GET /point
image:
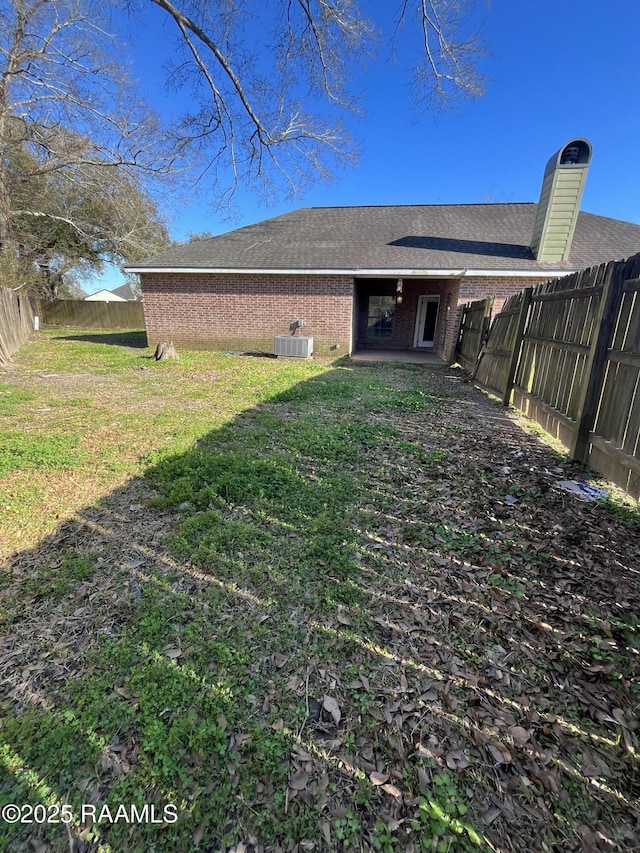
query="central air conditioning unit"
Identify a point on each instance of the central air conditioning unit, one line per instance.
(293, 346)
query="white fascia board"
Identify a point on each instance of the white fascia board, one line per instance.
(358, 273)
(465, 273)
(518, 273)
(288, 271)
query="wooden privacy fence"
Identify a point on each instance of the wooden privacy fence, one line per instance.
(567, 354)
(92, 315)
(475, 318)
(16, 322)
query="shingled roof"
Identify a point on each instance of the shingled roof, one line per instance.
(398, 239)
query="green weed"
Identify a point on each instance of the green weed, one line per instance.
(424, 456)
(442, 821)
(58, 581)
(23, 451)
(407, 400)
(623, 510)
(11, 398)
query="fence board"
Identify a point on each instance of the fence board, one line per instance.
(631, 358)
(92, 315)
(615, 440)
(557, 340)
(576, 364)
(631, 441)
(16, 322)
(621, 337)
(497, 367)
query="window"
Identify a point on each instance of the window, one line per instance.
(380, 315)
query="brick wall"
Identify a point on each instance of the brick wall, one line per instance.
(245, 312)
(231, 312)
(501, 288)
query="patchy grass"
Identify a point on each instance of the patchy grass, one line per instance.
(306, 606)
(11, 398)
(101, 409)
(20, 452)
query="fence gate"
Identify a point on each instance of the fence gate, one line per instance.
(472, 332)
(499, 358)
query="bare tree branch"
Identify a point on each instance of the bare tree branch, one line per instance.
(187, 24)
(447, 67)
(268, 118)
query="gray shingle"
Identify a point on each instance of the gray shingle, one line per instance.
(421, 237)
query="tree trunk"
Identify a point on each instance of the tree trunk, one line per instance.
(5, 200)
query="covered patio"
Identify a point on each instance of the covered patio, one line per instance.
(394, 314)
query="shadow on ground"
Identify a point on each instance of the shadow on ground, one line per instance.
(360, 616)
(134, 339)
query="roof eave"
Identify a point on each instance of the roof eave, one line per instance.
(361, 273)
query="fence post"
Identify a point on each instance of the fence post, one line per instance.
(588, 399)
(517, 343)
(486, 320)
(485, 325)
(457, 346)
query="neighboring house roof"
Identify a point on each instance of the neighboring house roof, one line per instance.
(127, 291)
(403, 239)
(104, 296)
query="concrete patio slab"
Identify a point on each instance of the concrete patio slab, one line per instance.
(409, 356)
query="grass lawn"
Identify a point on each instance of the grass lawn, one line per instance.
(263, 605)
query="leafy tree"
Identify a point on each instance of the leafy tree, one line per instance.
(78, 153)
(73, 230)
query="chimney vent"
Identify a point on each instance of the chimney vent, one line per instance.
(559, 205)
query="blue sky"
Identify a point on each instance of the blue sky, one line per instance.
(555, 71)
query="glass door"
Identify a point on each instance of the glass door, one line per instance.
(426, 321)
